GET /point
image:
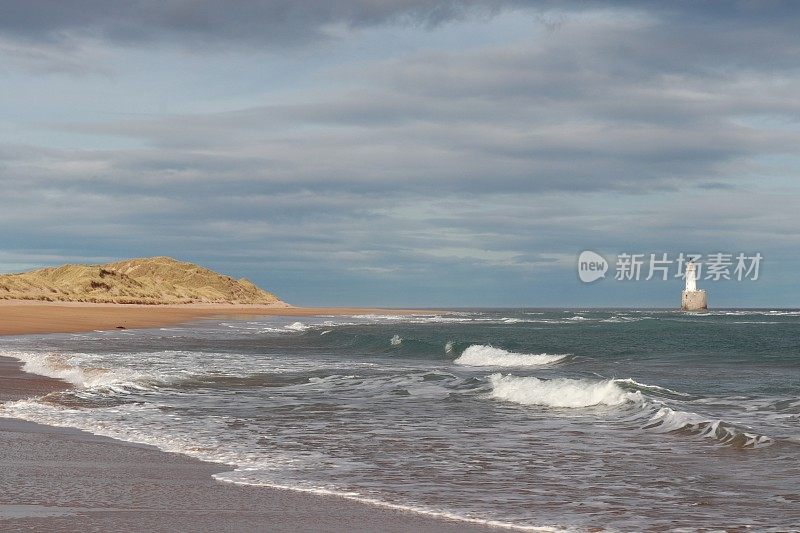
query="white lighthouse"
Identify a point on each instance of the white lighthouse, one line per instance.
(691, 277)
(691, 298)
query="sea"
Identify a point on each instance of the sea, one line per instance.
(531, 419)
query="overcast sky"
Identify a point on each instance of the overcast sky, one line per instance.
(406, 152)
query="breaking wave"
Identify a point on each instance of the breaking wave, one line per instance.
(560, 392)
(58, 366)
(667, 420)
(652, 414)
(485, 355)
(654, 388)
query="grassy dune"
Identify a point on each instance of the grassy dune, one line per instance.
(154, 280)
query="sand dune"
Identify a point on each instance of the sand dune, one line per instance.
(154, 280)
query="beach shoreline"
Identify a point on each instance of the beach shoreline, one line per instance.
(21, 317)
(65, 479)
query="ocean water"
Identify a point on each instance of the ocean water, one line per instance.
(626, 420)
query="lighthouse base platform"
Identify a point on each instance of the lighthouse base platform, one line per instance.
(694, 301)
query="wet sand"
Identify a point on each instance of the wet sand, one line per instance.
(16, 384)
(61, 479)
(57, 479)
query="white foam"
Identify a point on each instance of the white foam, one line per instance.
(485, 355)
(561, 392)
(448, 347)
(631, 381)
(744, 312)
(666, 420)
(296, 326)
(66, 368)
(379, 317)
(248, 327)
(416, 319)
(200, 446)
(396, 340)
(240, 477)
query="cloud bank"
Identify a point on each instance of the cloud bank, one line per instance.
(410, 175)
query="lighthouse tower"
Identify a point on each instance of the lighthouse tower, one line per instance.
(691, 298)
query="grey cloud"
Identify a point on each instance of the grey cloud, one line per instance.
(73, 58)
(208, 23)
(630, 134)
(634, 103)
(449, 133)
(409, 238)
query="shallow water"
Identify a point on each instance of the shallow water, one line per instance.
(622, 419)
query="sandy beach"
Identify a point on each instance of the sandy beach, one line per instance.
(19, 317)
(61, 479)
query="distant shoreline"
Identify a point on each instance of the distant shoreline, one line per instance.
(21, 317)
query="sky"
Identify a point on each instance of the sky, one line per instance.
(413, 153)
